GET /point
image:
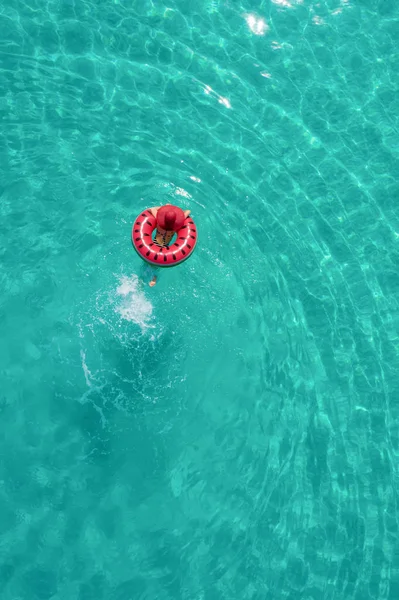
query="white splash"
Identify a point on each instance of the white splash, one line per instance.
(210, 92)
(86, 370)
(134, 306)
(286, 3)
(182, 192)
(282, 3)
(257, 25)
(224, 101)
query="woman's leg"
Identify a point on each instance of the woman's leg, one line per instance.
(155, 275)
(149, 274)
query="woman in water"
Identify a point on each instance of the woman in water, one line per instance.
(170, 219)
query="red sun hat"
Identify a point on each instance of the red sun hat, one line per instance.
(170, 217)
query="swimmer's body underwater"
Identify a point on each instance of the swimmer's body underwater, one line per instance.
(170, 219)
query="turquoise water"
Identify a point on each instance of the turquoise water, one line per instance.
(233, 432)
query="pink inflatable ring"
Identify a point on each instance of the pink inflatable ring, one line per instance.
(162, 256)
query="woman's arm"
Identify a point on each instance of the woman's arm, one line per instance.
(154, 210)
(186, 213)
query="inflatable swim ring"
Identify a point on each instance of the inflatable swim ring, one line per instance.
(163, 256)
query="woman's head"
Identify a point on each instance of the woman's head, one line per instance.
(170, 218)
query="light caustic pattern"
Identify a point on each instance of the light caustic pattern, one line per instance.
(232, 432)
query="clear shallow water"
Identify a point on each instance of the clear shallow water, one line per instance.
(232, 433)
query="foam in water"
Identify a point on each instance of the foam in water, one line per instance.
(134, 306)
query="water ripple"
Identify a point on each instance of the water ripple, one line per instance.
(233, 432)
